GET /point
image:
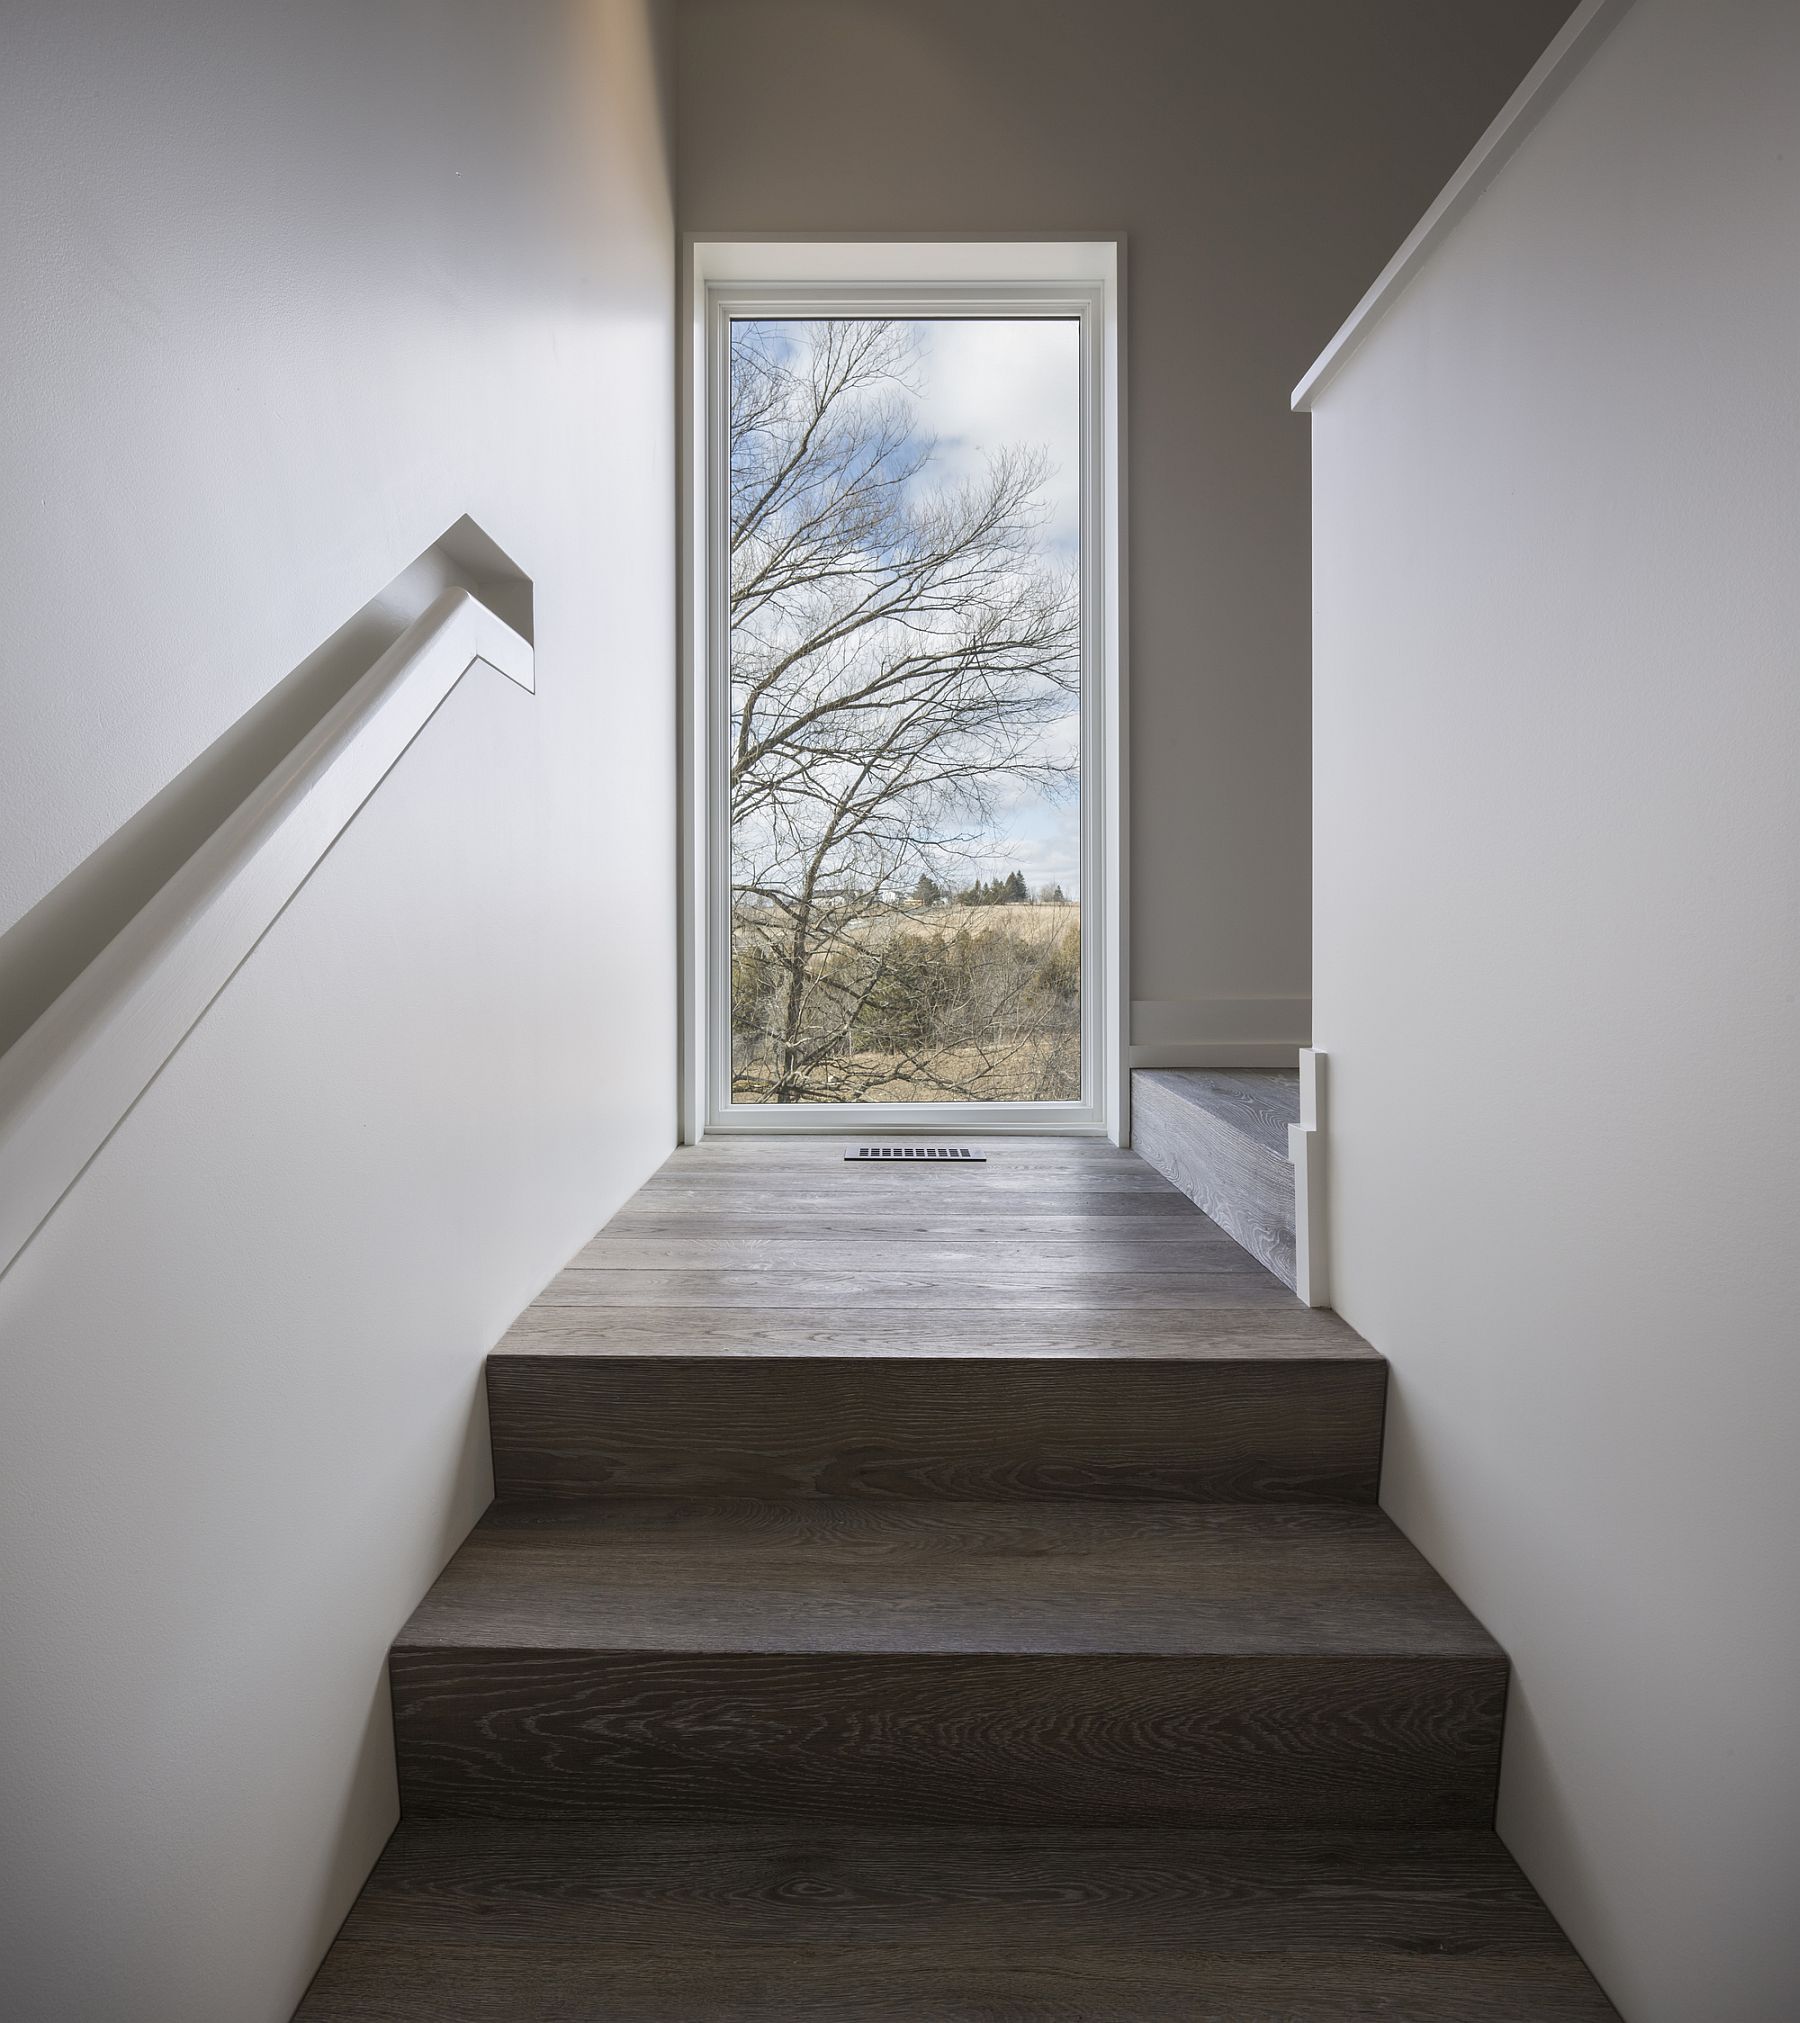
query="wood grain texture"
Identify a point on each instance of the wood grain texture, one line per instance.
(1213, 1135)
(988, 1256)
(751, 1253)
(1074, 1231)
(1279, 1330)
(1009, 1227)
(971, 1427)
(756, 1924)
(1014, 1579)
(878, 1190)
(1009, 1166)
(1261, 1102)
(924, 1287)
(947, 1662)
(948, 1739)
(898, 1196)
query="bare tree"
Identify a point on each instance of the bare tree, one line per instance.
(902, 654)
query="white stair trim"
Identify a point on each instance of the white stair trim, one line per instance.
(1306, 1152)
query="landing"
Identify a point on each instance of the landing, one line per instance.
(1054, 1246)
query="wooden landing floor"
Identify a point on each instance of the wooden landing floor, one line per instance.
(1054, 1246)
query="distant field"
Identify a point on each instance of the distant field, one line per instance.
(1039, 924)
(952, 1002)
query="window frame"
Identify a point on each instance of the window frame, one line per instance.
(1038, 279)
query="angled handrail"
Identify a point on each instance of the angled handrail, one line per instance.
(1584, 31)
(68, 1081)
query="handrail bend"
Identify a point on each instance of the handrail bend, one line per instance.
(69, 1080)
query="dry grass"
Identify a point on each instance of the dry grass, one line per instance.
(962, 1003)
(1040, 925)
(1016, 1073)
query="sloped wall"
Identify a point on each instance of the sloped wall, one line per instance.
(289, 291)
(1557, 867)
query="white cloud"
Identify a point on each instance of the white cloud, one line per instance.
(990, 384)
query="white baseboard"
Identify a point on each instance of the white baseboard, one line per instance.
(1219, 1032)
(1216, 1054)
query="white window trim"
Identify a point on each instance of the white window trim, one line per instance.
(1023, 277)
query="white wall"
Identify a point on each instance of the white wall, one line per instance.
(1263, 160)
(289, 290)
(1557, 867)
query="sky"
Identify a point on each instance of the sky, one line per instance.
(987, 385)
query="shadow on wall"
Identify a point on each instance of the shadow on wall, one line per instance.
(370, 1790)
(44, 951)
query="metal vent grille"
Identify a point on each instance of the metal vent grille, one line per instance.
(956, 1152)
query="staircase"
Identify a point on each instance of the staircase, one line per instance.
(1221, 1135)
(944, 1594)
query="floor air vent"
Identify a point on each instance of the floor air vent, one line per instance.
(959, 1152)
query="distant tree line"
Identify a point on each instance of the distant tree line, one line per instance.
(1008, 891)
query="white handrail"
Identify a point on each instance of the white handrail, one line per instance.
(68, 1081)
(1584, 31)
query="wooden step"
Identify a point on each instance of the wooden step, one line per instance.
(1221, 1137)
(728, 1923)
(652, 1364)
(941, 1664)
(1237, 1417)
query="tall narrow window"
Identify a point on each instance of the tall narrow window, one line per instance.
(902, 738)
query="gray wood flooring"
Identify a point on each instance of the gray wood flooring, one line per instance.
(1054, 1246)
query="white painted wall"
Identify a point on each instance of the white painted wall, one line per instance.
(1263, 161)
(1557, 868)
(289, 290)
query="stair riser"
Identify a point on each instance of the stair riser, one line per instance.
(1251, 1430)
(1131, 1741)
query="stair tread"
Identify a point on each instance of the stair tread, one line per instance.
(866, 1577)
(1066, 1248)
(1282, 1332)
(925, 1287)
(704, 1922)
(1258, 1103)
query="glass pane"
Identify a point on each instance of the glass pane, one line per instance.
(903, 745)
